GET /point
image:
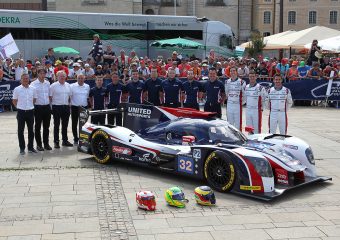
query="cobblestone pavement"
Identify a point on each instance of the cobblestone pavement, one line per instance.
(63, 194)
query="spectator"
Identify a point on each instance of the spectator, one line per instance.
(60, 67)
(97, 49)
(1, 75)
(50, 56)
(325, 63)
(219, 69)
(97, 101)
(262, 71)
(8, 69)
(106, 70)
(314, 48)
(88, 71)
(99, 71)
(303, 70)
(175, 58)
(175, 67)
(293, 72)
(283, 68)
(133, 57)
(24, 97)
(20, 69)
(109, 56)
(33, 74)
(123, 60)
(242, 71)
(125, 76)
(183, 68)
(315, 72)
(253, 65)
(227, 70)
(163, 72)
(60, 93)
(196, 69)
(76, 71)
(168, 64)
(143, 70)
(205, 70)
(153, 88)
(49, 71)
(79, 98)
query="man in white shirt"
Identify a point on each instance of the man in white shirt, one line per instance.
(24, 97)
(79, 98)
(20, 69)
(278, 100)
(42, 110)
(60, 93)
(234, 90)
(73, 73)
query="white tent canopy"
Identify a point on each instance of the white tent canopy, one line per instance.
(301, 38)
(271, 41)
(329, 44)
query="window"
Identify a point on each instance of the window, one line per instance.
(93, 2)
(169, 3)
(266, 34)
(312, 17)
(266, 17)
(333, 17)
(215, 3)
(291, 17)
(226, 41)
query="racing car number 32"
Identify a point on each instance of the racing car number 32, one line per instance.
(185, 164)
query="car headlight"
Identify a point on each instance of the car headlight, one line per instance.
(310, 155)
(262, 166)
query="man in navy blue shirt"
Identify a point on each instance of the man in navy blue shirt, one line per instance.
(214, 92)
(153, 88)
(97, 100)
(135, 88)
(172, 88)
(192, 91)
(115, 91)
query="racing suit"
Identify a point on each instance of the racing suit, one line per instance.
(234, 90)
(255, 98)
(278, 101)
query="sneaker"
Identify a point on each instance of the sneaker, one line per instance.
(67, 144)
(22, 151)
(56, 145)
(32, 150)
(40, 148)
(48, 147)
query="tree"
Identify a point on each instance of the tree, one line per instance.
(256, 44)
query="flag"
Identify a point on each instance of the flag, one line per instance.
(8, 46)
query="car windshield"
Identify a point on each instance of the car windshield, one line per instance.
(226, 134)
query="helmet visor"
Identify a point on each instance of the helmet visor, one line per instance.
(178, 196)
(148, 198)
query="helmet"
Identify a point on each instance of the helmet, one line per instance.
(205, 196)
(146, 200)
(175, 197)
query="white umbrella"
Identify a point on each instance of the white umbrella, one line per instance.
(329, 44)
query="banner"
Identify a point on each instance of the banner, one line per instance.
(8, 46)
(6, 91)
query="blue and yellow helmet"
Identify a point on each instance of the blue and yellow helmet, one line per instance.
(175, 197)
(204, 195)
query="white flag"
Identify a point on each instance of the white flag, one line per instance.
(330, 83)
(8, 46)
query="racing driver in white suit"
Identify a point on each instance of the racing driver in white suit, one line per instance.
(255, 99)
(278, 100)
(235, 90)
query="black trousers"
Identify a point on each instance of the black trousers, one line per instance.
(42, 116)
(61, 113)
(25, 117)
(191, 105)
(213, 107)
(114, 118)
(75, 121)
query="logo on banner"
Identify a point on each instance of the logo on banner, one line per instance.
(139, 112)
(327, 89)
(6, 93)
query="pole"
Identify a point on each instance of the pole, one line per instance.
(147, 39)
(175, 5)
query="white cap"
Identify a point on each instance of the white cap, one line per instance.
(87, 65)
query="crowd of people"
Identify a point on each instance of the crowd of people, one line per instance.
(45, 89)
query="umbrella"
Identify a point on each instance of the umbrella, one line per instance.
(180, 42)
(330, 44)
(65, 50)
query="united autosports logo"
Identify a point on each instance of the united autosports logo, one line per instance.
(122, 150)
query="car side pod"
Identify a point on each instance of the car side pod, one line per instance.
(281, 189)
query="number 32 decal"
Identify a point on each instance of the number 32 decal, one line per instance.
(185, 164)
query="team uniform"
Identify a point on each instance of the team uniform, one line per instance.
(255, 98)
(278, 102)
(135, 90)
(115, 93)
(191, 90)
(98, 96)
(213, 91)
(172, 89)
(235, 99)
(154, 87)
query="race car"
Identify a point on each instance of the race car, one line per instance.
(193, 143)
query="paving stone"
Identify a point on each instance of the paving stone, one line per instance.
(61, 236)
(259, 225)
(330, 231)
(329, 215)
(25, 230)
(258, 234)
(318, 223)
(146, 237)
(185, 236)
(295, 216)
(243, 219)
(150, 223)
(194, 221)
(27, 237)
(295, 232)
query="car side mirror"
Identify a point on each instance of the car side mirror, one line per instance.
(188, 140)
(249, 129)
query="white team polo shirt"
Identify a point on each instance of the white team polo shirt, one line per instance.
(79, 94)
(60, 93)
(25, 97)
(42, 90)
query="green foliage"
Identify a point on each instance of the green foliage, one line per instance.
(256, 44)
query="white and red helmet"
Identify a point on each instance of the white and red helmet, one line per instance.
(146, 200)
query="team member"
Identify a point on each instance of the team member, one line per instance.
(135, 88)
(42, 110)
(255, 98)
(79, 98)
(97, 101)
(278, 100)
(60, 93)
(234, 88)
(172, 88)
(115, 91)
(214, 92)
(153, 88)
(24, 97)
(192, 91)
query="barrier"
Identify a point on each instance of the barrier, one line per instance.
(306, 89)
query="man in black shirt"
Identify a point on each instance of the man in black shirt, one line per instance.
(97, 100)
(153, 88)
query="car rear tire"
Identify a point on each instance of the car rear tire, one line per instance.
(101, 147)
(219, 171)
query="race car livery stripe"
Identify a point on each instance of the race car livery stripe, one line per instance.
(246, 165)
(149, 149)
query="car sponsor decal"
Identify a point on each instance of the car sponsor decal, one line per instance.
(185, 164)
(281, 176)
(84, 136)
(291, 146)
(248, 188)
(145, 158)
(139, 112)
(121, 150)
(196, 153)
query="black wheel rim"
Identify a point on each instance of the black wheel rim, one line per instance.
(100, 147)
(219, 172)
